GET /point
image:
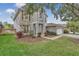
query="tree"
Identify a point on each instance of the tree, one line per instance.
(7, 25)
(33, 7)
(73, 26)
(70, 11)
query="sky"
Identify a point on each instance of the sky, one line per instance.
(7, 9)
(5, 12)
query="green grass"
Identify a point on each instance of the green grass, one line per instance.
(60, 47)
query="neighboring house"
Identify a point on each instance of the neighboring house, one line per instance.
(55, 28)
(34, 26)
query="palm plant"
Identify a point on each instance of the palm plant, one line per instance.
(70, 11)
(35, 7)
(31, 8)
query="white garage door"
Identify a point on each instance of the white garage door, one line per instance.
(59, 31)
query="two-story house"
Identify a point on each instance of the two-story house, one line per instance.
(34, 26)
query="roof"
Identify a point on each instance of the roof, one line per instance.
(17, 12)
(55, 25)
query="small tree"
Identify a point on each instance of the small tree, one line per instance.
(7, 25)
(73, 26)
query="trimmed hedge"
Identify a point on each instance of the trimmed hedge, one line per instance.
(51, 33)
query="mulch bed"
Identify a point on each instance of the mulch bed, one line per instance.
(31, 39)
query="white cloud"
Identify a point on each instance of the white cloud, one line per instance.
(19, 5)
(9, 20)
(10, 11)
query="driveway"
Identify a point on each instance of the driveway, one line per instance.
(68, 35)
(72, 35)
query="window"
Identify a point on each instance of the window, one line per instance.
(40, 15)
(24, 28)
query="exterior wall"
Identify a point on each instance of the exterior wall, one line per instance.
(36, 19)
(22, 21)
(17, 23)
(57, 30)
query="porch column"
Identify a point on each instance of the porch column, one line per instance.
(44, 30)
(37, 29)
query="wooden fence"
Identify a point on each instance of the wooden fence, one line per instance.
(11, 31)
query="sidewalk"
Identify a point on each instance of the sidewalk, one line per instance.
(53, 38)
(72, 35)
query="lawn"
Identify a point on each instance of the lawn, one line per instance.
(60, 47)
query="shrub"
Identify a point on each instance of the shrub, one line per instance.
(51, 33)
(66, 31)
(39, 34)
(19, 34)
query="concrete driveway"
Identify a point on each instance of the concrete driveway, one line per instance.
(72, 35)
(67, 35)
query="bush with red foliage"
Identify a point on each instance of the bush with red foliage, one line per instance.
(19, 34)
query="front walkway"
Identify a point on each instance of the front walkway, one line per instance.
(68, 35)
(53, 38)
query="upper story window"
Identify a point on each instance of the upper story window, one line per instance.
(40, 15)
